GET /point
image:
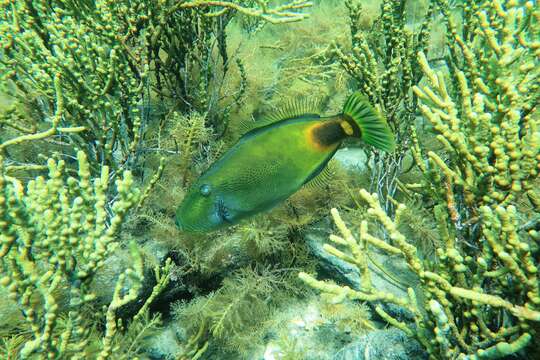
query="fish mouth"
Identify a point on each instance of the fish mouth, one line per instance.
(219, 216)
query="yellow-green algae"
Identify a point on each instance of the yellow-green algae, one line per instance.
(484, 114)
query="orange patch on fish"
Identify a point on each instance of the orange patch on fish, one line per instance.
(325, 136)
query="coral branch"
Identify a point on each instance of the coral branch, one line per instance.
(277, 15)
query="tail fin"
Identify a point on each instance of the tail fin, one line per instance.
(373, 127)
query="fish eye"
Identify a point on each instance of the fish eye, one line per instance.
(205, 189)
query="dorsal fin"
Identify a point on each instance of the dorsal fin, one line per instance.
(244, 126)
(293, 108)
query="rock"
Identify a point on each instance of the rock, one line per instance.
(301, 331)
(388, 273)
(389, 344)
(353, 159)
(104, 281)
(331, 266)
(165, 345)
(309, 329)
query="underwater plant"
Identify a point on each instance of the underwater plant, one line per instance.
(86, 51)
(382, 62)
(78, 84)
(55, 234)
(109, 58)
(232, 319)
(481, 298)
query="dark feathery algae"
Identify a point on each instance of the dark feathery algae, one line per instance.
(269, 163)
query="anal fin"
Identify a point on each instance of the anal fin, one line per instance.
(321, 176)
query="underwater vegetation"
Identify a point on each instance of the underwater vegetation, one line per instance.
(77, 82)
(112, 111)
(381, 60)
(54, 240)
(481, 299)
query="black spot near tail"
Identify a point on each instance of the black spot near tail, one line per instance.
(335, 130)
(328, 133)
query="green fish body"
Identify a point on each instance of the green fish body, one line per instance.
(270, 163)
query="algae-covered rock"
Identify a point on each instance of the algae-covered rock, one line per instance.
(166, 344)
(332, 266)
(302, 332)
(389, 344)
(312, 328)
(388, 273)
(353, 159)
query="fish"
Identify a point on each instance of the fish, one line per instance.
(271, 162)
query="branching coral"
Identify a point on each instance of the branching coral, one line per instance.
(276, 15)
(107, 58)
(490, 125)
(189, 52)
(54, 235)
(384, 65)
(82, 52)
(481, 299)
(52, 232)
(383, 60)
(460, 320)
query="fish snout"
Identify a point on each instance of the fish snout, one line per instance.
(178, 223)
(194, 218)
